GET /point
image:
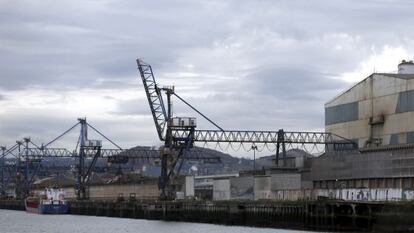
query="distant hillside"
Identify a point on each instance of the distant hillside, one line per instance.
(229, 164)
(269, 161)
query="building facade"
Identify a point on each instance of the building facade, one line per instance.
(377, 111)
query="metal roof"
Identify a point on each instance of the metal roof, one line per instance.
(402, 76)
(393, 75)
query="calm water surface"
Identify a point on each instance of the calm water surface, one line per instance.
(22, 222)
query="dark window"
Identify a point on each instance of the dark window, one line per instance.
(405, 102)
(341, 113)
(394, 139)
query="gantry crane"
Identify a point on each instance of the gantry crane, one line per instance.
(21, 172)
(28, 157)
(180, 133)
(85, 148)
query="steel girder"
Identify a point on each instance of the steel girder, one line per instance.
(238, 136)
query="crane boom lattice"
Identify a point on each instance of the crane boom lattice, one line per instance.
(154, 97)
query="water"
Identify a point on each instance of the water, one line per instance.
(22, 222)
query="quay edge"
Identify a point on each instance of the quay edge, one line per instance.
(323, 215)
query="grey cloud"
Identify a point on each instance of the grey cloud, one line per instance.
(42, 128)
(72, 47)
(133, 107)
(292, 83)
(55, 49)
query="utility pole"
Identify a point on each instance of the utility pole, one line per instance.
(254, 148)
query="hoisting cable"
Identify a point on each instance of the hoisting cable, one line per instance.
(61, 135)
(205, 117)
(104, 136)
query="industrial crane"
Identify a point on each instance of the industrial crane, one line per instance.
(27, 160)
(93, 149)
(180, 133)
(20, 169)
(28, 157)
(87, 149)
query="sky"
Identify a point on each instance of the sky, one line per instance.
(254, 65)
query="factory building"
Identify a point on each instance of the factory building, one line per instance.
(378, 114)
(377, 111)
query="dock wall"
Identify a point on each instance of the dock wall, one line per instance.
(316, 215)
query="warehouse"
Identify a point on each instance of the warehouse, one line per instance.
(378, 114)
(377, 111)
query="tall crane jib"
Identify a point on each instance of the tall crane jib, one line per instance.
(154, 97)
(180, 133)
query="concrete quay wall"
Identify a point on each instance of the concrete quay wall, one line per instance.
(288, 215)
(324, 215)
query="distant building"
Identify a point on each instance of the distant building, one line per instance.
(377, 111)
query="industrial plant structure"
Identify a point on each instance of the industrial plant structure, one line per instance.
(377, 111)
(378, 115)
(368, 140)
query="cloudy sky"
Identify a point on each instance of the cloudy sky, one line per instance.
(259, 65)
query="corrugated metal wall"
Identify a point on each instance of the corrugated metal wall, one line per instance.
(377, 164)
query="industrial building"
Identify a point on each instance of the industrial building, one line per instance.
(377, 111)
(378, 115)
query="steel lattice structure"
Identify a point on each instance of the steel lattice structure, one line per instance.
(239, 136)
(27, 153)
(154, 97)
(177, 137)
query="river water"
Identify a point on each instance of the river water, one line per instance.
(22, 222)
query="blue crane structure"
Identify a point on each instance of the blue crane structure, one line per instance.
(28, 156)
